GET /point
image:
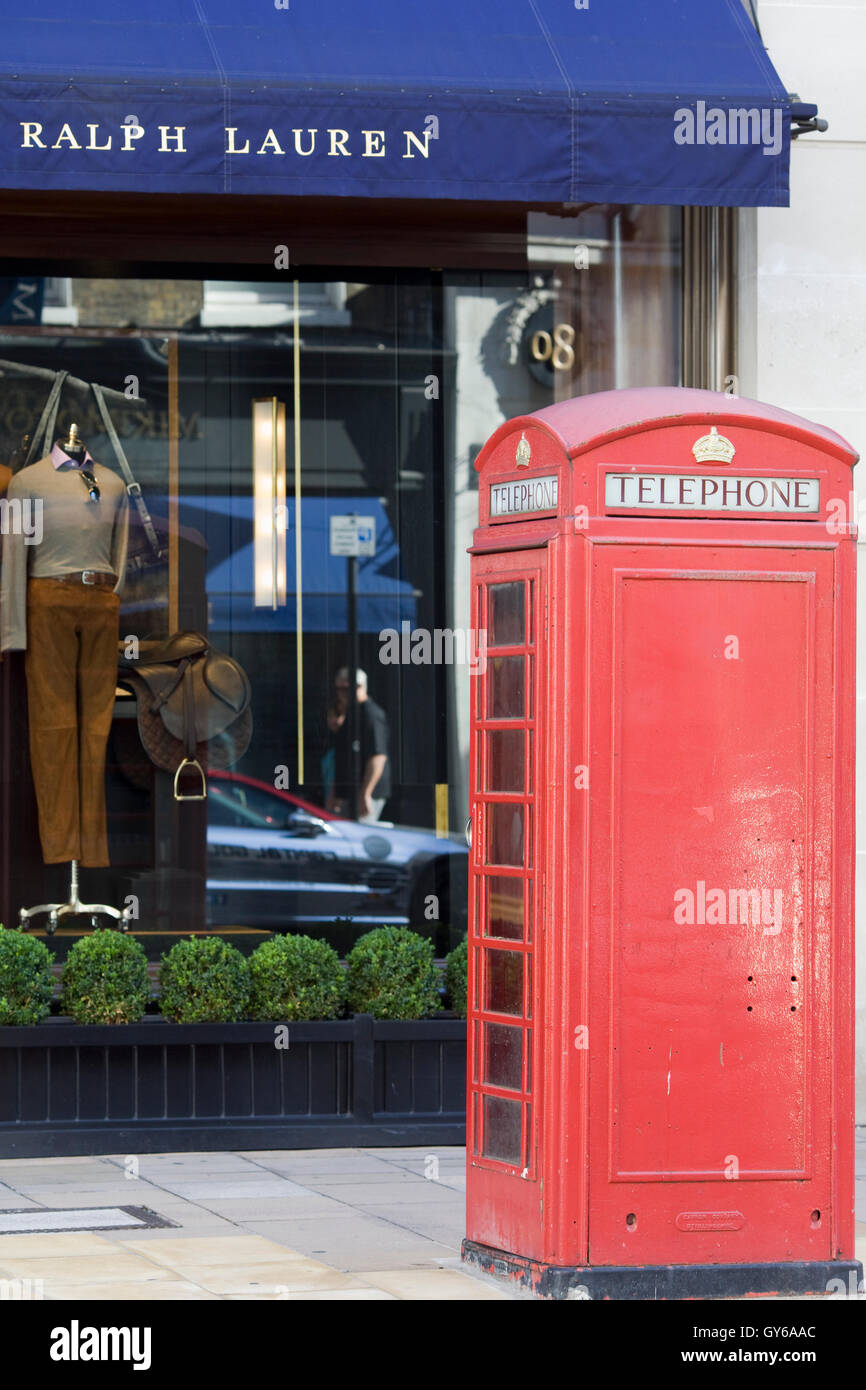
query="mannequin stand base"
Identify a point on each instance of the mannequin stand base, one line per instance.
(74, 907)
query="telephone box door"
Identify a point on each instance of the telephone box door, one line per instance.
(506, 777)
(713, 937)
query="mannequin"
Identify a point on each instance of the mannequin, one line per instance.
(59, 604)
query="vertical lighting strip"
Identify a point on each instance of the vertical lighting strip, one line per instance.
(269, 502)
(275, 542)
(299, 600)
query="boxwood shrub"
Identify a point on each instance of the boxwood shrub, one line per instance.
(26, 982)
(456, 968)
(105, 979)
(297, 979)
(391, 974)
(204, 980)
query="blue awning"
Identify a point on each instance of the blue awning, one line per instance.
(624, 101)
(385, 598)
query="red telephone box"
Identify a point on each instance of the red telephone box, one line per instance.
(661, 893)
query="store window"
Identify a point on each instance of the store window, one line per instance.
(273, 427)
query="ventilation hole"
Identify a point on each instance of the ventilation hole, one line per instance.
(748, 1009)
(815, 1218)
(751, 977)
(793, 1008)
(631, 1220)
(793, 977)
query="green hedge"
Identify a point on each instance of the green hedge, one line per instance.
(391, 974)
(105, 979)
(204, 980)
(26, 982)
(297, 979)
(456, 983)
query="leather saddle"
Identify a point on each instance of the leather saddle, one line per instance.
(193, 707)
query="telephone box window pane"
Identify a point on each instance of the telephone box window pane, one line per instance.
(503, 1056)
(506, 760)
(502, 1129)
(504, 983)
(506, 620)
(504, 907)
(505, 833)
(506, 681)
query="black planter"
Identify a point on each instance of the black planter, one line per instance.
(68, 1088)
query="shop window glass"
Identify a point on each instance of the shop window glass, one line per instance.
(243, 554)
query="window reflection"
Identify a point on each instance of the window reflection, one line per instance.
(507, 614)
(506, 760)
(504, 992)
(505, 833)
(504, 907)
(506, 687)
(502, 1129)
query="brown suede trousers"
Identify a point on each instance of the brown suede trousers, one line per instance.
(71, 669)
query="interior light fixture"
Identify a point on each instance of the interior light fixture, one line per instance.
(269, 502)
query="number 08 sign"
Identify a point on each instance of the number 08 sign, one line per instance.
(556, 348)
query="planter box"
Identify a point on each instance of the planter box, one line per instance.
(67, 1088)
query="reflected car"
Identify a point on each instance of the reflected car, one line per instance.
(277, 861)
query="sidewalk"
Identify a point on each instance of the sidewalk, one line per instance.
(302, 1224)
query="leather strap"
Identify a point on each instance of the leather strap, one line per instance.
(132, 487)
(185, 682)
(189, 715)
(47, 421)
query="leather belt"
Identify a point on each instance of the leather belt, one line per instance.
(92, 578)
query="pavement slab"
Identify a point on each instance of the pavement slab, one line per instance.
(432, 1284)
(161, 1290)
(356, 1241)
(106, 1269)
(208, 1250)
(350, 1225)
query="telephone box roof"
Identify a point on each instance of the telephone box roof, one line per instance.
(587, 421)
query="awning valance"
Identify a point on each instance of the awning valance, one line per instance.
(549, 101)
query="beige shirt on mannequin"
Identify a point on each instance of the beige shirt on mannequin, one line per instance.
(76, 534)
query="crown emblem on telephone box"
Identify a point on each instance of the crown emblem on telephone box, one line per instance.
(523, 452)
(713, 448)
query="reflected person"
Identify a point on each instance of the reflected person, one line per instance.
(375, 762)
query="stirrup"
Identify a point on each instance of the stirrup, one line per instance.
(190, 762)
